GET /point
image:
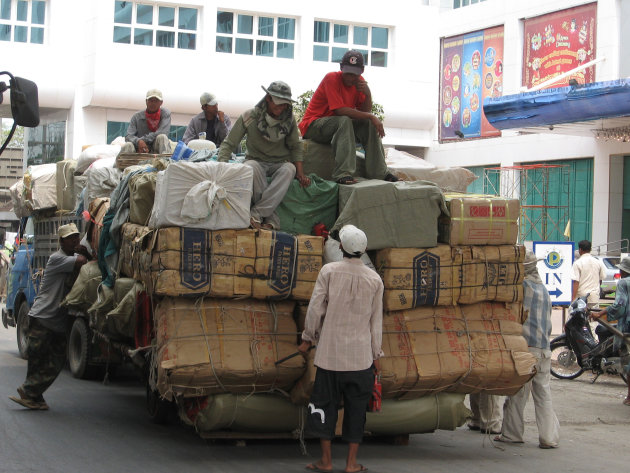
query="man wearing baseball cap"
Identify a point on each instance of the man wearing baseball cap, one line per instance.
(48, 323)
(211, 124)
(148, 129)
(340, 113)
(273, 150)
(345, 321)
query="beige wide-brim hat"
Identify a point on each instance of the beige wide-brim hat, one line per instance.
(624, 265)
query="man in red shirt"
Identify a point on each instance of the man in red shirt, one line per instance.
(340, 113)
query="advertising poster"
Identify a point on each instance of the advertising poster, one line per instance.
(469, 62)
(492, 74)
(559, 42)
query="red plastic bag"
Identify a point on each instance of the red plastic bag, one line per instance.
(374, 405)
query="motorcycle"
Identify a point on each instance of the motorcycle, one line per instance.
(577, 350)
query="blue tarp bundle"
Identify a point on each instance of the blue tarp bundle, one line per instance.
(562, 105)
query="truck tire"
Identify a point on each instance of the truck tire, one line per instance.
(79, 347)
(22, 329)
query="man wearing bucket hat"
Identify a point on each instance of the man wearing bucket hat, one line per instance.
(339, 114)
(345, 321)
(273, 150)
(48, 322)
(211, 124)
(148, 129)
(537, 333)
(620, 311)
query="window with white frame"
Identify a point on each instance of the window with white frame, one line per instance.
(155, 25)
(260, 35)
(22, 21)
(332, 40)
(465, 3)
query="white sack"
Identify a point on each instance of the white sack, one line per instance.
(17, 198)
(43, 193)
(208, 195)
(91, 154)
(101, 182)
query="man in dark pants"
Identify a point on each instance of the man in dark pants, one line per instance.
(48, 322)
(345, 320)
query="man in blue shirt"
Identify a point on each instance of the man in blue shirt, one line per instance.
(537, 332)
(620, 312)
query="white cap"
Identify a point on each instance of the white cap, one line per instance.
(208, 99)
(353, 240)
(67, 230)
(154, 93)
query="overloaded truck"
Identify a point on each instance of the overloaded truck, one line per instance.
(208, 306)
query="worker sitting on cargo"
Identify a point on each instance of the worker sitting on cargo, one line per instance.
(345, 321)
(273, 150)
(211, 124)
(340, 113)
(48, 323)
(148, 129)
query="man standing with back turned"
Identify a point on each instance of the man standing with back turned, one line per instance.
(587, 273)
(345, 321)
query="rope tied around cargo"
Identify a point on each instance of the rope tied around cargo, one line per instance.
(197, 305)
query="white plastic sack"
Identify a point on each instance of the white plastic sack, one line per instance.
(411, 168)
(201, 144)
(43, 186)
(208, 195)
(91, 154)
(108, 162)
(101, 182)
(333, 253)
(17, 199)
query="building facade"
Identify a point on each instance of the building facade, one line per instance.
(94, 61)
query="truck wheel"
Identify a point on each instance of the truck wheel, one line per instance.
(79, 348)
(22, 330)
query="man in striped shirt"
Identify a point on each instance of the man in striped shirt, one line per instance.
(537, 332)
(345, 321)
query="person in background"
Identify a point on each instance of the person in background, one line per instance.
(148, 129)
(273, 150)
(48, 323)
(345, 321)
(587, 274)
(487, 413)
(537, 333)
(339, 114)
(211, 124)
(620, 311)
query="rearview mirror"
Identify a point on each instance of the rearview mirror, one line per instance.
(24, 102)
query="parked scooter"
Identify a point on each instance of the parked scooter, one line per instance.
(577, 350)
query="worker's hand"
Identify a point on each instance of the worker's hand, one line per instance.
(142, 147)
(305, 181)
(304, 346)
(377, 366)
(597, 315)
(378, 125)
(362, 86)
(221, 116)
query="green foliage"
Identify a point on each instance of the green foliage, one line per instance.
(299, 108)
(18, 137)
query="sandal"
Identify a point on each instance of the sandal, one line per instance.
(626, 401)
(347, 180)
(389, 177)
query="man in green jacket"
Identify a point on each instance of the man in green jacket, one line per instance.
(273, 150)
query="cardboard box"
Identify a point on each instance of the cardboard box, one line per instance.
(209, 346)
(446, 275)
(463, 349)
(479, 220)
(179, 261)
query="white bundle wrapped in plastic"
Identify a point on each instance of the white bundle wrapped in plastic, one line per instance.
(95, 152)
(101, 182)
(208, 195)
(40, 184)
(17, 198)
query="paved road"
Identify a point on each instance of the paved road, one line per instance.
(103, 428)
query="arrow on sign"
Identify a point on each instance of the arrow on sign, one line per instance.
(557, 292)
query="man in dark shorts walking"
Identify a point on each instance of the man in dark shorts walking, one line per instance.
(345, 321)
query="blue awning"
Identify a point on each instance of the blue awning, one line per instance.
(595, 101)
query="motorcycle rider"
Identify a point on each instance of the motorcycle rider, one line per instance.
(620, 311)
(537, 332)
